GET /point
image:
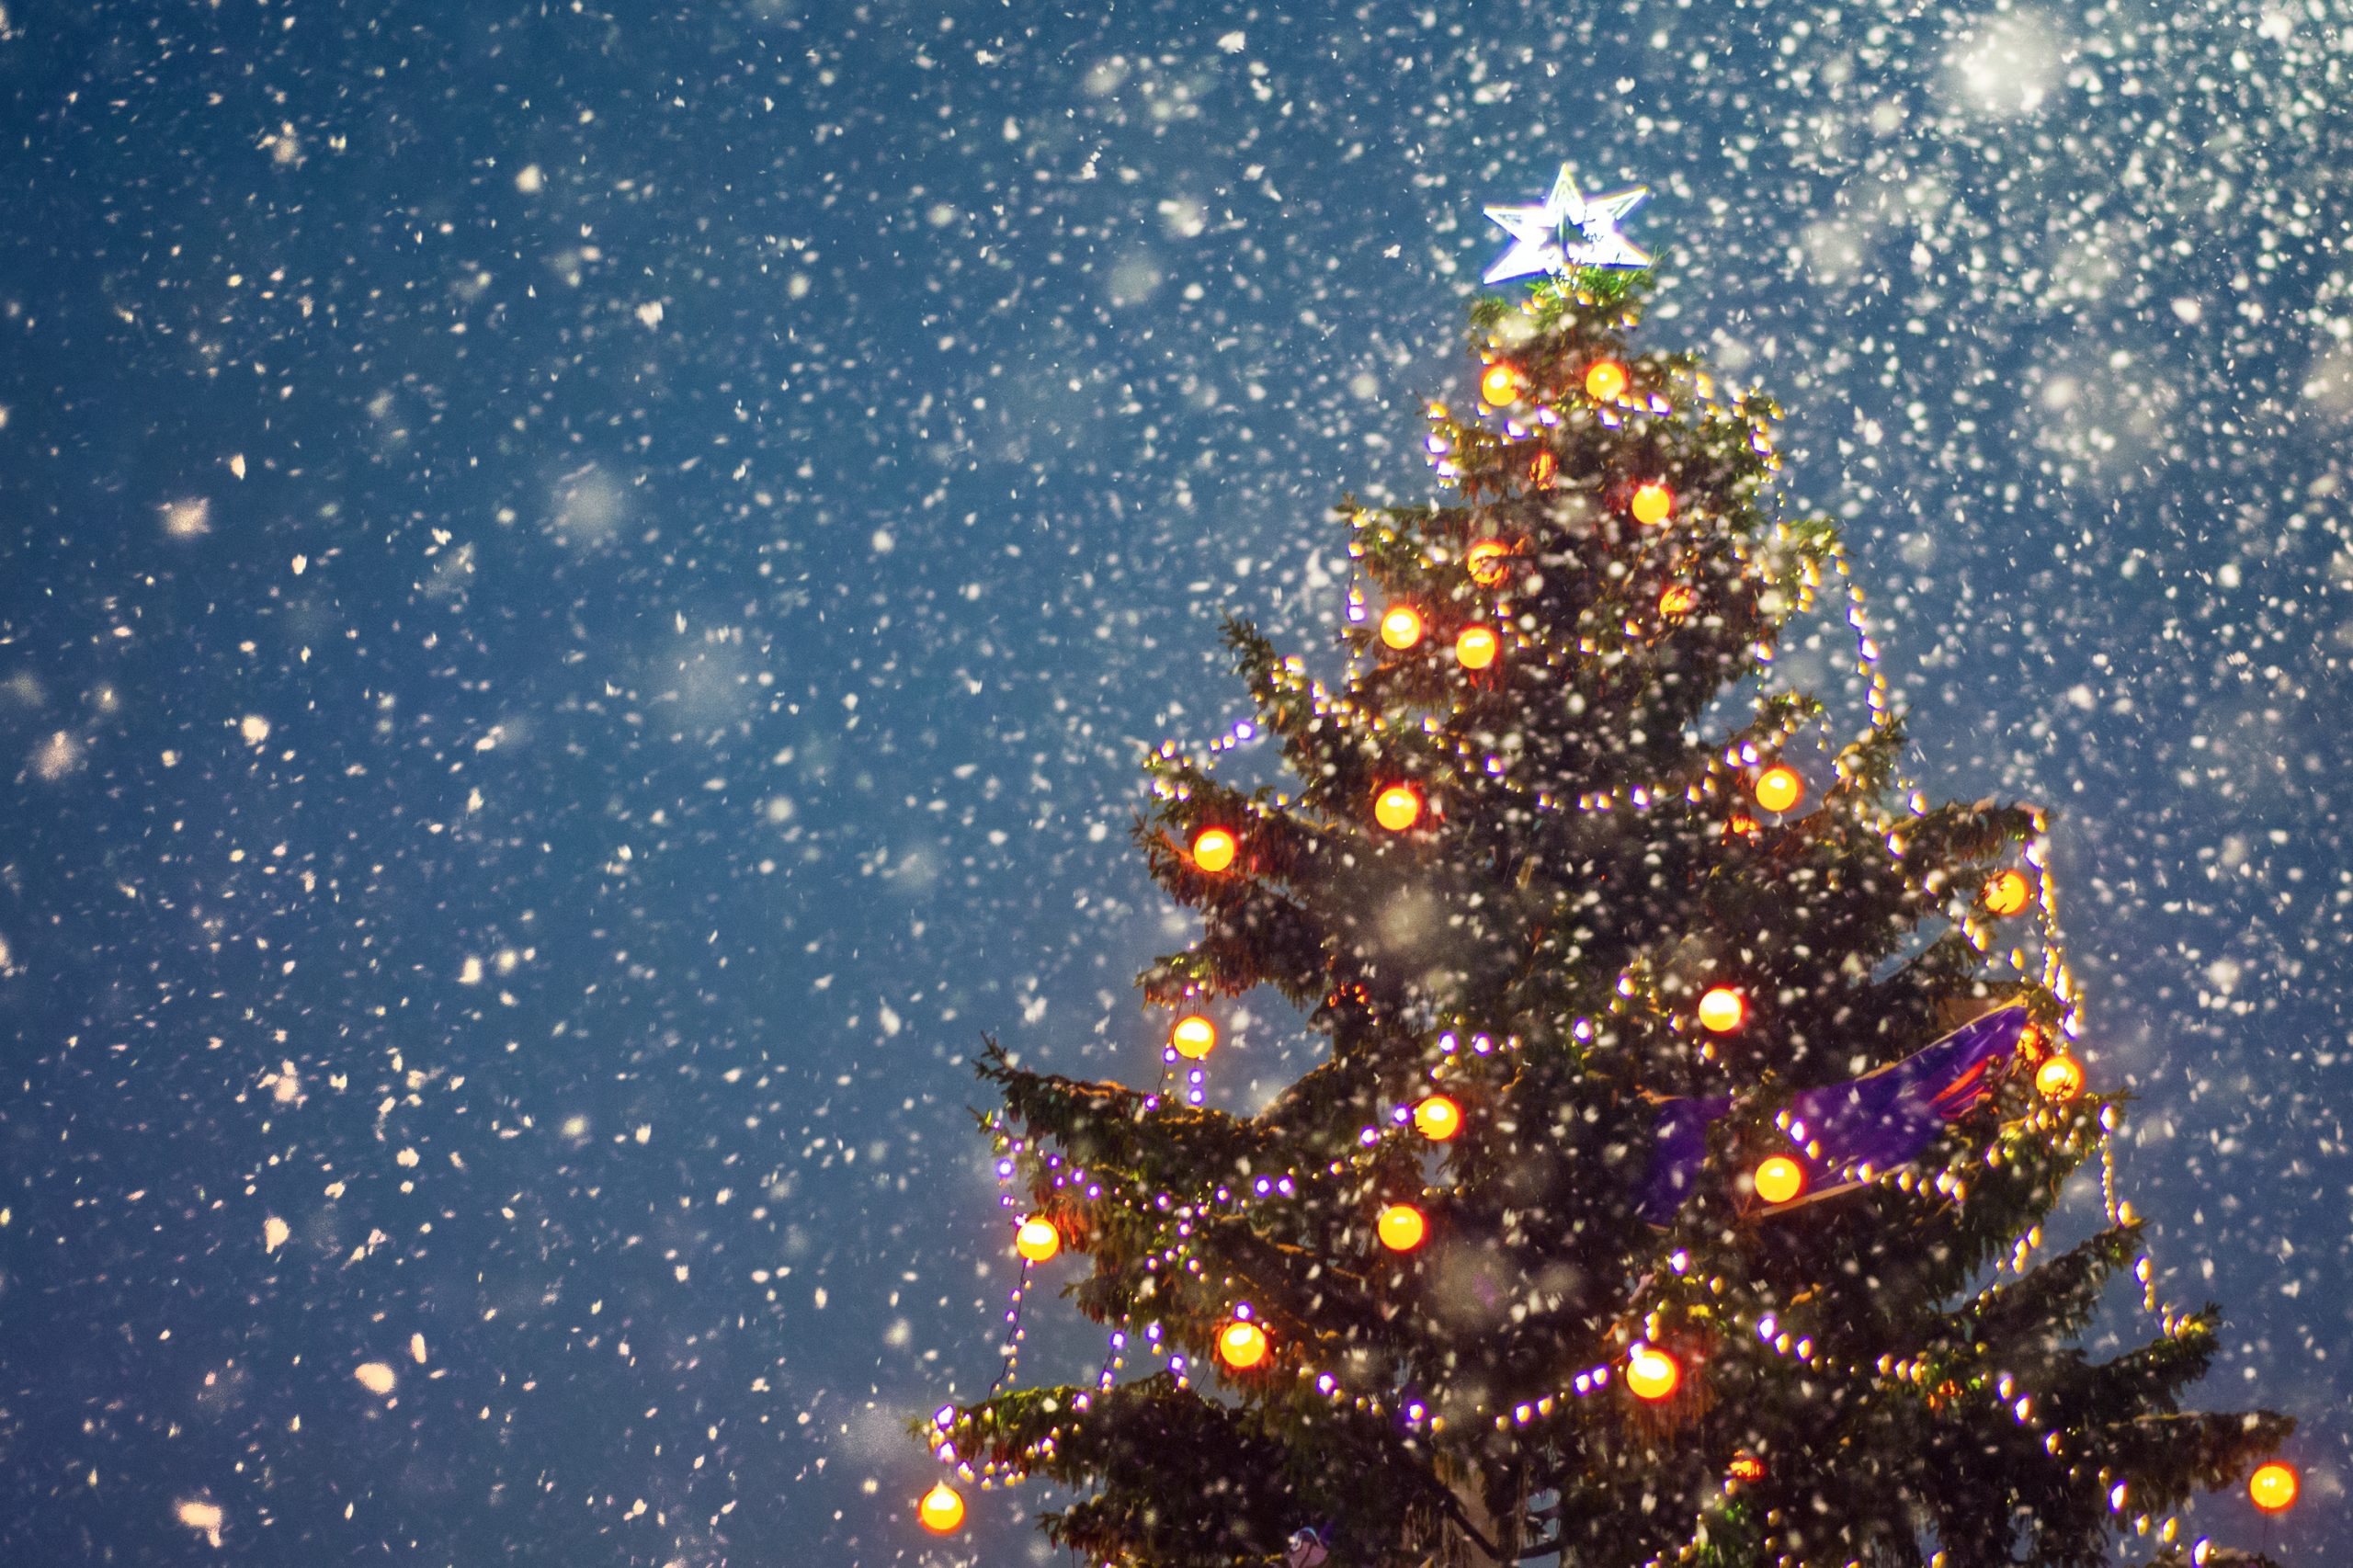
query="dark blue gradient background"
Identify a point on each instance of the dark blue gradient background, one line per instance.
(728, 490)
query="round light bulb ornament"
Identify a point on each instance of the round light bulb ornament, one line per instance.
(1722, 1009)
(1437, 1118)
(1778, 787)
(1401, 627)
(1398, 807)
(1779, 1179)
(2061, 1078)
(1242, 1345)
(1487, 559)
(1604, 380)
(1037, 1240)
(2273, 1486)
(1499, 384)
(1652, 503)
(1215, 848)
(1475, 647)
(1402, 1227)
(1193, 1037)
(941, 1509)
(1651, 1373)
(2006, 892)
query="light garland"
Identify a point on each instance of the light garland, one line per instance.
(1290, 695)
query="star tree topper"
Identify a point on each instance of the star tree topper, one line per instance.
(1566, 231)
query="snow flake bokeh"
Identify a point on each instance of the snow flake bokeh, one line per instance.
(582, 586)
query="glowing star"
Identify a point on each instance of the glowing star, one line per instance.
(1566, 231)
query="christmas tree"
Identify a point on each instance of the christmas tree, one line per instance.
(1672, 1189)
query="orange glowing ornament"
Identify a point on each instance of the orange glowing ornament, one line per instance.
(941, 1509)
(1475, 647)
(1746, 1467)
(1402, 1227)
(1676, 601)
(1779, 787)
(1437, 1118)
(1037, 1240)
(1242, 1345)
(1543, 470)
(1215, 848)
(1604, 380)
(2061, 1078)
(1722, 1009)
(1487, 560)
(1651, 1372)
(1652, 503)
(1779, 1179)
(1401, 626)
(1398, 807)
(2006, 893)
(2273, 1486)
(1193, 1036)
(1500, 384)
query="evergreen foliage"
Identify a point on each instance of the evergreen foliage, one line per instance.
(1888, 1375)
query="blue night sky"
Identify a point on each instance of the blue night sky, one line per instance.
(580, 586)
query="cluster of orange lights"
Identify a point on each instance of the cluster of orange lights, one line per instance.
(1501, 385)
(1651, 1374)
(1475, 647)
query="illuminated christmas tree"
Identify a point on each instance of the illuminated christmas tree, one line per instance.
(1671, 1189)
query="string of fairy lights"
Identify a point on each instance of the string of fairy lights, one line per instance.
(1744, 771)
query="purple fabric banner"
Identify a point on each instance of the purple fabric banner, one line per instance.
(1881, 1120)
